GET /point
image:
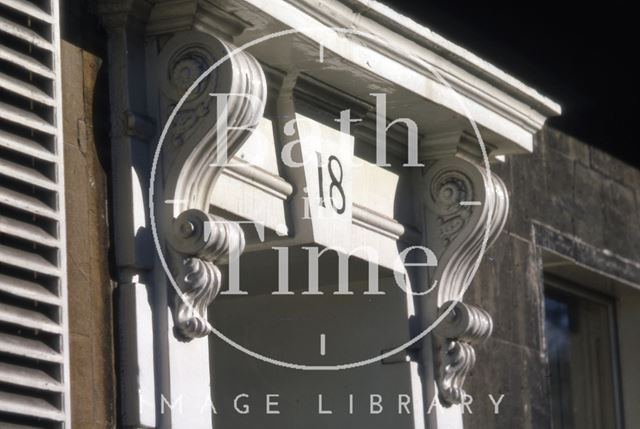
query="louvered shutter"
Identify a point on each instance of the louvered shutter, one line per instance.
(33, 315)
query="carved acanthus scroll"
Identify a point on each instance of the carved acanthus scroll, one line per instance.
(211, 125)
(463, 202)
(203, 241)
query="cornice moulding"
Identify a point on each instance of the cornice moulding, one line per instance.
(383, 225)
(258, 178)
(183, 15)
(467, 73)
(403, 56)
(116, 13)
(386, 16)
(454, 143)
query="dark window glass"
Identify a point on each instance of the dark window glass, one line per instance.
(581, 353)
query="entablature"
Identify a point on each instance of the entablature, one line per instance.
(359, 48)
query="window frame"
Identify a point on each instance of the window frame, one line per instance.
(561, 286)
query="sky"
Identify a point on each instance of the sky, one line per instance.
(581, 55)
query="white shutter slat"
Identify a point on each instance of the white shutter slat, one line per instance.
(25, 62)
(26, 231)
(27, 261)
(25, 34)
(28, 319)
(25, 89)
(25, 118)
(29, 406)
(28, 290)
(26, 202)
(15, 426)
(28, 377)
(26, 174)
(25, 146)
(28, 8)
(28, 348)
(34, 343)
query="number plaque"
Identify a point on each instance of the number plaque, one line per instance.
(327, 156)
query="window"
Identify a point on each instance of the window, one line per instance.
(581, 346)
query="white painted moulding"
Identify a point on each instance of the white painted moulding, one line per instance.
(403, 58)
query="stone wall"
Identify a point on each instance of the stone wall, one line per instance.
(579, 202)
(86, 178)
